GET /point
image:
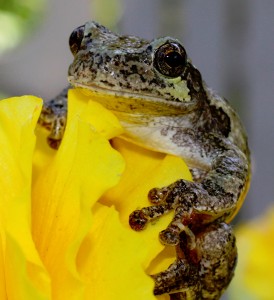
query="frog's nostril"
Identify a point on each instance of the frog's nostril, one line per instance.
(75, 39)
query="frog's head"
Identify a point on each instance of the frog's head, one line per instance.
(127, 67)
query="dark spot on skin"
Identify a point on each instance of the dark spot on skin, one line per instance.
(194, 81)
(107, 58)
(149, 49)
(132, 58)
(142, 78)
(134, 69)
(107, 83)
(215, 189)
(157, 82)
(222, 120)
(98, 59)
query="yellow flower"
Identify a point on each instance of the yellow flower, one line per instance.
(254, 277)
(64, 230)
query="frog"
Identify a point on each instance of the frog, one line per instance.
(164, 105)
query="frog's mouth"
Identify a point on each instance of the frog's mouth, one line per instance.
(134, 103)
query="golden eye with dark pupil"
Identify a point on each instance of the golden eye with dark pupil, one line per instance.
(170, 59)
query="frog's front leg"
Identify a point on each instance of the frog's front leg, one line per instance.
(198, 203)
(53, 117)
(202, 272)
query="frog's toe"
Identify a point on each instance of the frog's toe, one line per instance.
(179, 276)
(137, 220)
(54, 143)
(169, 237)
(157, 195)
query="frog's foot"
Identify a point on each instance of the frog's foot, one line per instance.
(191, 204)
(139, 218)
(181, 277)
(57, 131)
(180, 296)
(203, 272)
(53, 117)
(56, 125)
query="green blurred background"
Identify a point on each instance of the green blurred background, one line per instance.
(231, 42)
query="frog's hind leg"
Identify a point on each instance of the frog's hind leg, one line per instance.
(179, 296)
(53, 117)
(180, 278)
(203, 272)
(217, 244)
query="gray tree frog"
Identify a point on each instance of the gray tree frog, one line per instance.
(164, 105)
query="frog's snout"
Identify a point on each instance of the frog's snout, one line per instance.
(75, 39)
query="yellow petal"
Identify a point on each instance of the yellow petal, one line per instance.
(110, 260)
(3, 292)
(22, 270)
(43, 154)
(84, 167)
(254, 277)
(101, 119)
(146, 169)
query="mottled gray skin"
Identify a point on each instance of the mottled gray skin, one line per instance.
(54, 118)
(164, 105)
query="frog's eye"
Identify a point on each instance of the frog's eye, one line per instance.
(170, 59)
(76, 38)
